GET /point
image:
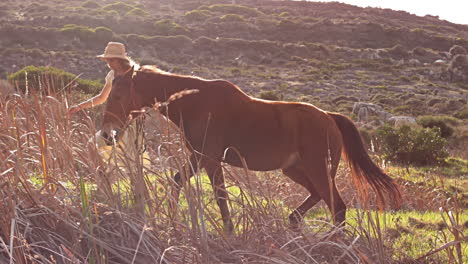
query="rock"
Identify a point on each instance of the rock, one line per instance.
(414, 62)
(440, 62)
(402, 120)
(365, 110)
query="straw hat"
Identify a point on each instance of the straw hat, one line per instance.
(114, 50)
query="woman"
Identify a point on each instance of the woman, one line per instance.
(133, 140)
(119, 63)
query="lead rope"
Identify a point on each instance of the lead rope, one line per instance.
(140, 138)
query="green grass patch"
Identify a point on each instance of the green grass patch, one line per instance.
(409, 234)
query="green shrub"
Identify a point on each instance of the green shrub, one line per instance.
(407, 145)
(88, 35)
(398, 51)
(462, 114)
(235, 9)
(50, 80)
(138, 12)
(287, 24)
(232, 18)
(269, 95)
(444, 123)
(167, 27)
(91, 4)
(410, 107)
(82, 32)
(455, 166)
(103, 34)
(434, 101)
(367, 137)
(120, 7)
(197, 15)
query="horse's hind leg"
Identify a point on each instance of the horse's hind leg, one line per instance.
(215, 173)
(299, 175)
(323, 180)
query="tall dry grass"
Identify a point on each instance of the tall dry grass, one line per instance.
(62, 202)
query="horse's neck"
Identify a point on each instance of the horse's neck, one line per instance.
(162, 88)
(170, 88)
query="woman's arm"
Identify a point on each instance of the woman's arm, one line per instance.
(98, 99)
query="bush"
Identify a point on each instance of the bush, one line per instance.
(398, 51)
(167, 27)
(91, 4)
(235, 9)
(138, 12)
(269, 95)
(417, 146)
(232, 18)
(84, 33)
(50, 80)
(462, 114)
(104, 33)
(120, 7)
(197, 15)
(112, 13)
(367, 137)
(90, 36)
(444, 123)
(289, 25)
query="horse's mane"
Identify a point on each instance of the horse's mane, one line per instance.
(152, 68)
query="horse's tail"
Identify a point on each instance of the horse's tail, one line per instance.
(363, 169)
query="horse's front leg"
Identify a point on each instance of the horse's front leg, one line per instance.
(181, 177)
(215, 173)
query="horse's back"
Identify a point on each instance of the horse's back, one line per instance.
(270, 135)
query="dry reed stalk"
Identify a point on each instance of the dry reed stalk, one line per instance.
(104, 212)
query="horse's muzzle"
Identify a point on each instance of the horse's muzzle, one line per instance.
(110, 138)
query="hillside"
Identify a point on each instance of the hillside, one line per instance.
(329, 54)
(63, 199)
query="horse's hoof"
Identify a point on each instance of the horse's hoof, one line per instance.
(295, 220)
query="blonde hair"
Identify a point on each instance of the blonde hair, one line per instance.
(127, 63)
(133, 63)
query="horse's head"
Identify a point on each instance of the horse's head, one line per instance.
(122, 101)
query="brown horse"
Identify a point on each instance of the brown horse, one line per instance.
(223, 124)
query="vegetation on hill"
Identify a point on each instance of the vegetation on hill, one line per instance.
(61, 202)
(47, 79)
